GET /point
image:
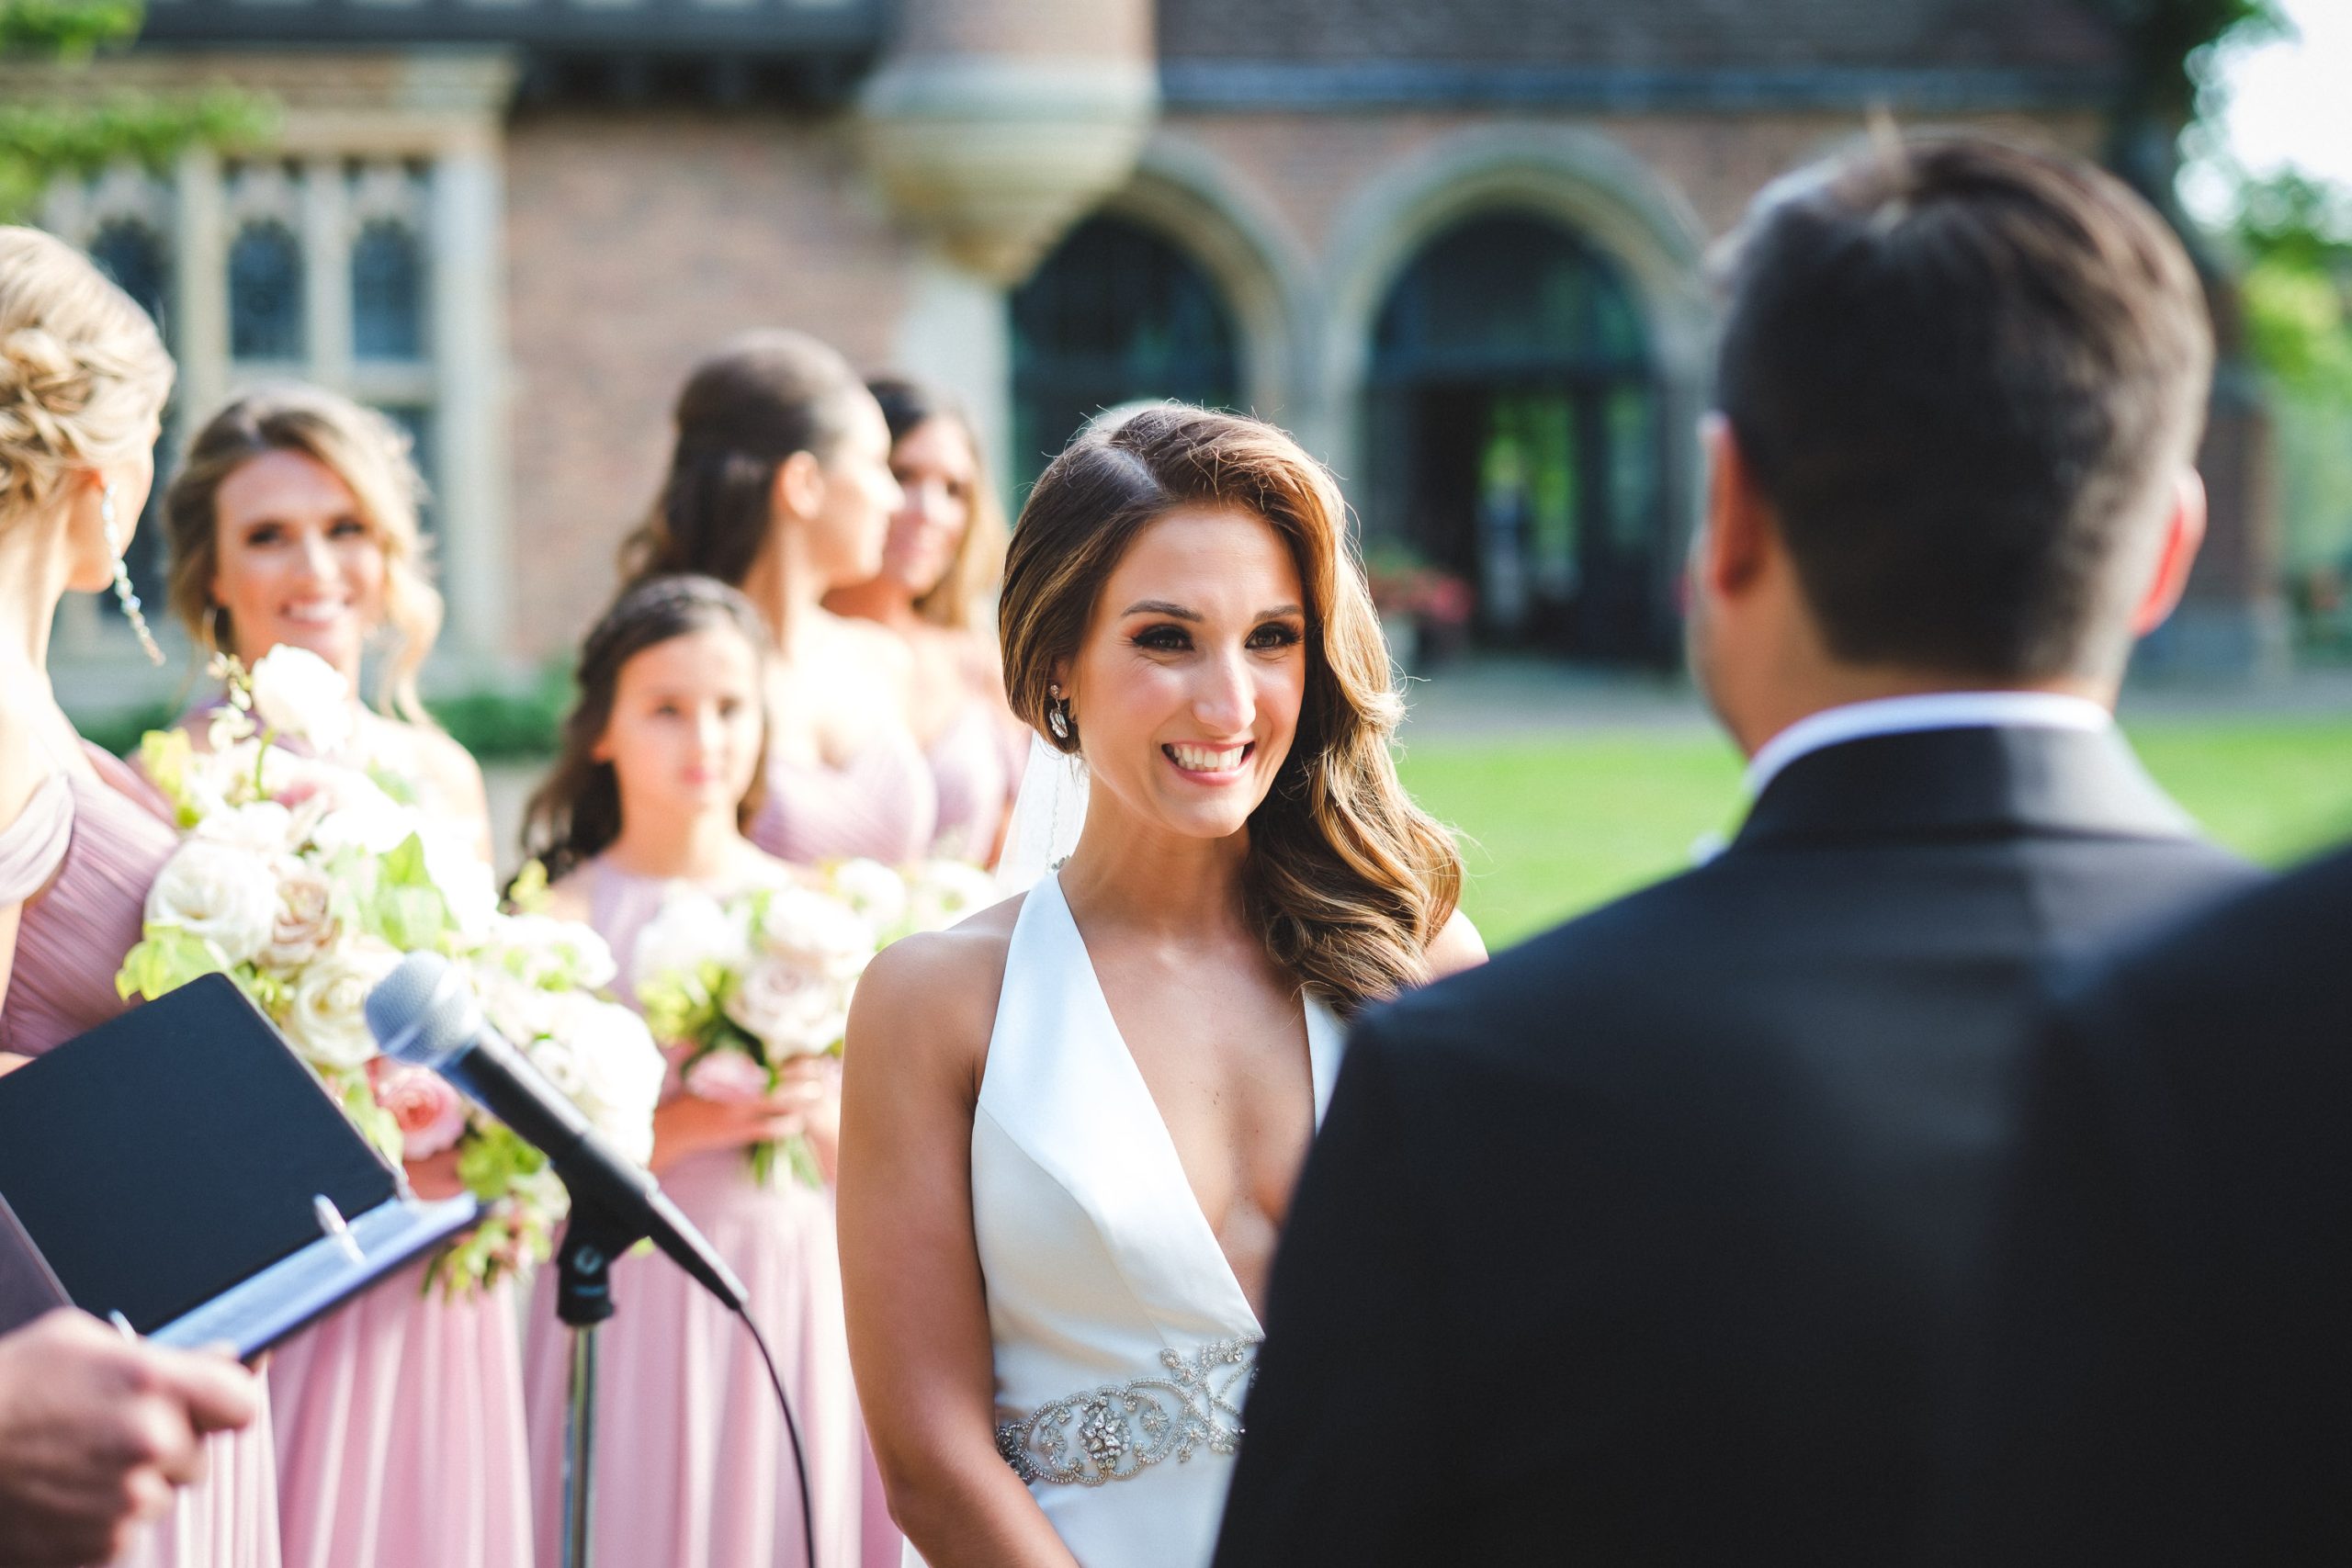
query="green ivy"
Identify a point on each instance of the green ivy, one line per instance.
(55, 124)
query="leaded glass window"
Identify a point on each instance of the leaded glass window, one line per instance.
(1116, 313)
(266, 293)
(134, 255)
(387, 293)
(1512, 436)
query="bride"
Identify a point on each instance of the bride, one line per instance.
(1072, 1125)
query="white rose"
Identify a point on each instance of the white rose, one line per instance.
(358, 814)
(601, 1056)
(517, 1009)
(465, 882)
(691, 929)
(263, 827)
(941, 892)
(539, 950)
(305, 921)
(299, 694)
(327, 1019)
(874, 890)
(226, 894)
(798, 1011)
(810, 931)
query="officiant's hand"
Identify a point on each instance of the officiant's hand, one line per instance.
(97, 1430)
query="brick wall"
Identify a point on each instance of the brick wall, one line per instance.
(1307, 167)
(635, 242)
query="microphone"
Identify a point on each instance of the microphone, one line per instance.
(424, 1014)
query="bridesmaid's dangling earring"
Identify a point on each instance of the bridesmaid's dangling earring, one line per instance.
(123, 593)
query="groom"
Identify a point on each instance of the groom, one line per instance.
(1646, 1244)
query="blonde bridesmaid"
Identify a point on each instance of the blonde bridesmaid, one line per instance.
(399, 1417)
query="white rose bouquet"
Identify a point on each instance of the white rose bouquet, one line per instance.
(736, 989)
(303, 879)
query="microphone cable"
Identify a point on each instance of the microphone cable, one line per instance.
(791, 1430)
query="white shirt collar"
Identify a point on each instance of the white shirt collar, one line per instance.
(1929, 710)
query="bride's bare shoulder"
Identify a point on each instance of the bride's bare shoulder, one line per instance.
(934, 995)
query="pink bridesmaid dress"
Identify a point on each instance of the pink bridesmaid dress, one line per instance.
(401, 1440)
(400, 1436)
(693, 1464)
(882, 804)
(82, 855)
(975, 765)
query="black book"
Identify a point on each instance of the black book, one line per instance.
(180, 1169)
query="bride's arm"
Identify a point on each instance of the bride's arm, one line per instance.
(918, 1312)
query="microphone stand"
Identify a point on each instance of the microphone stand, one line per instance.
(584, 1299)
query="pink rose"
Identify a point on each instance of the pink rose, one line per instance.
(728, 1078)
(431, 1115)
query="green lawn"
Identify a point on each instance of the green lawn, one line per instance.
(1554, 826)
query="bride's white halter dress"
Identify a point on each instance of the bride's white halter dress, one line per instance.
(1124, 1343)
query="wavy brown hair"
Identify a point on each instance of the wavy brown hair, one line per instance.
(361, 448)
(577, 812)
(742, 411)
(959, 600)
(1347, 881)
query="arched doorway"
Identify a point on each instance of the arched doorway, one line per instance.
(1512, 438)
(1115, 313)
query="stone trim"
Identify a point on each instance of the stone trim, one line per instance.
(1231, 84)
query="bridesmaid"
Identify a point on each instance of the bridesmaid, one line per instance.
(399, 1418)
(659, 774)
(83, 379)
(293, 520)
(780, 485)
(935, 591)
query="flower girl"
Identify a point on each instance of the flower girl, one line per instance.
(646, 807)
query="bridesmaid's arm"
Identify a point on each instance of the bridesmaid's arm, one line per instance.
(918, 1312)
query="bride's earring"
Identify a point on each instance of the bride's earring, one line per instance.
(123, 593)
(1057, 714)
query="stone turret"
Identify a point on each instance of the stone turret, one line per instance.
(994, 124)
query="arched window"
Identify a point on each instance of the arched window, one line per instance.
(1115, 313)
(133, 256)
(1512, 438)
(266, 293)
(387, 293)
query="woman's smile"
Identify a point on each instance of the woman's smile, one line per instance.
(1210, 763)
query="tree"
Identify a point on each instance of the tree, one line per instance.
(56, 121)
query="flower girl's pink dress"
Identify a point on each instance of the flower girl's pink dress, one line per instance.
(693, 1464)
(95, 847)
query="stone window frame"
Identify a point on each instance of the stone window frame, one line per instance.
(434, 163)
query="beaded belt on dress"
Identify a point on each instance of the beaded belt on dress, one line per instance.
(1117, 1431)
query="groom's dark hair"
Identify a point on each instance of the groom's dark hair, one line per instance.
(1965, 375)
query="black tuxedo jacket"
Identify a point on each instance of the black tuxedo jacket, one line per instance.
(2172, 1375)
(1643, 1243)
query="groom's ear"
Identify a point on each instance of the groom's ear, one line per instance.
(1742, 532)
(2184, 531)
